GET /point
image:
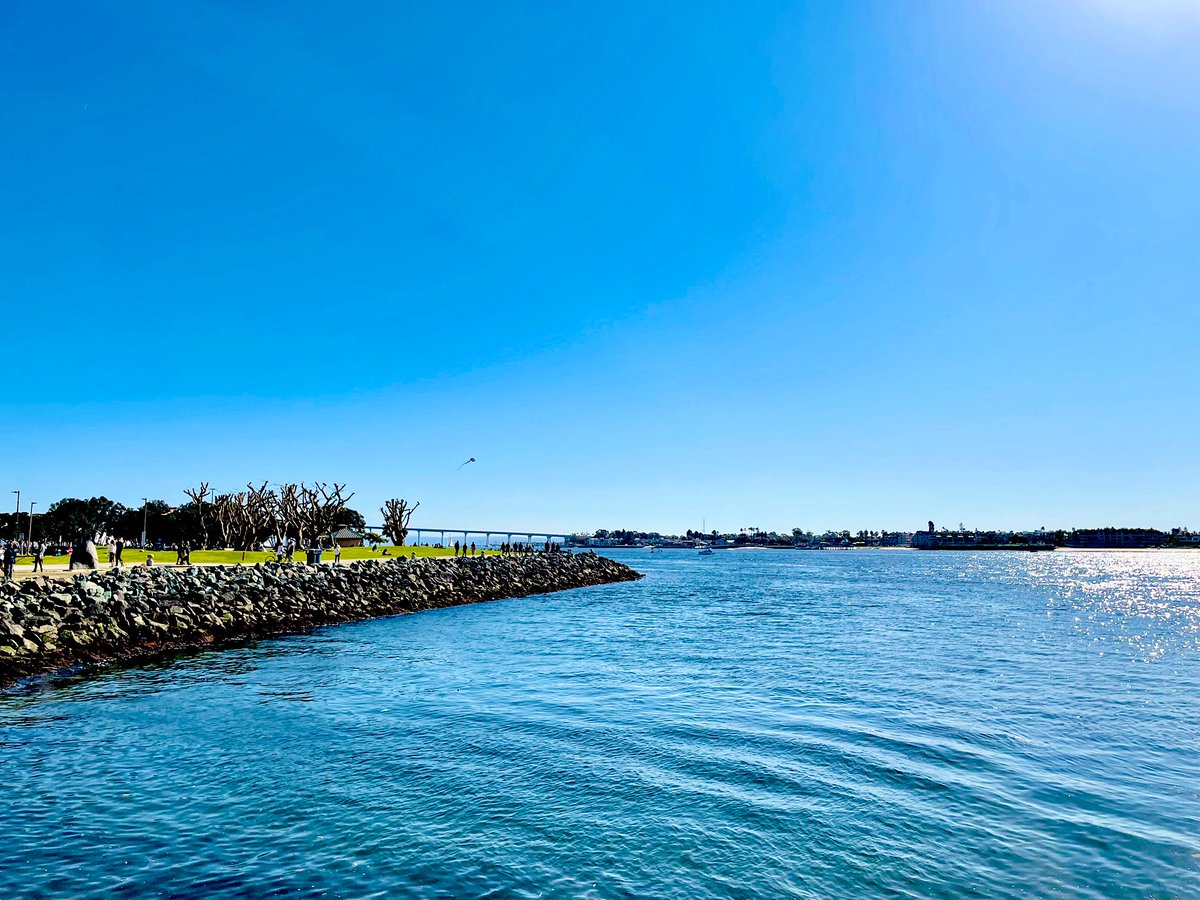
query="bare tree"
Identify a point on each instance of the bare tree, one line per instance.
(259, 514)
(300, 511)
(198, 496)
(288, 513)
(396, 516)
(227, 509)
(320, 508)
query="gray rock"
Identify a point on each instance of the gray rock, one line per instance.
(121, 612)
(84, 557)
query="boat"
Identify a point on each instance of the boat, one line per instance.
(704, 549)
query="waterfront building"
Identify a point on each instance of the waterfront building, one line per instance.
(348, 537)
(1116, 538)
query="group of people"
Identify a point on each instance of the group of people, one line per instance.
(10, 550)
(509, 549)
(519, 549)
(183, 554)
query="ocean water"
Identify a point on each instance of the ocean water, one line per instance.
(836, 724)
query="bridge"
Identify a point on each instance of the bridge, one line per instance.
(502, 535)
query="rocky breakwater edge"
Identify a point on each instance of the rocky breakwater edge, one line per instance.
(138, 613)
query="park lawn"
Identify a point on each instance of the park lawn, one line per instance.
(231, 557)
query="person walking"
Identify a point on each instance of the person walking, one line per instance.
(337, 554)
(120, 551)
(39, 557)
(10, 560)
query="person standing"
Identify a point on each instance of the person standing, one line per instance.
(120, 551)
(10, 560)
(39, 557)
(337, 554)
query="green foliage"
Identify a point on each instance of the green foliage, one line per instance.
(74, 519)
(350, 518)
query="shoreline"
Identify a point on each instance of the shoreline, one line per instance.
(129, 615)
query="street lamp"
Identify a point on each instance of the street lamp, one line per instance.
(17, 530)
(145, 508)
(29, 536)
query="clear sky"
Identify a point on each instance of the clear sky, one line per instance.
(651, 264)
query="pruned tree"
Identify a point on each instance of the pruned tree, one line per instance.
(199, 495)
(260, 507)
(396, 516)
(227, 511)
(240, 519)
(288, 513)
(302, 512)
(321, 506)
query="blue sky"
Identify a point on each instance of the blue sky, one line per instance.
(817, 265)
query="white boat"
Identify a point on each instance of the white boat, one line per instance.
(704, 549)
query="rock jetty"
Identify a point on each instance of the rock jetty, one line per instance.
(141, 612)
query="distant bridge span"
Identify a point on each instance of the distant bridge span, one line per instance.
(508, 535)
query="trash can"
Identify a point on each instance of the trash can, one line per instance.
(314, 555)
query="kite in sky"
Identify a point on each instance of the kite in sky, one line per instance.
(471, 460)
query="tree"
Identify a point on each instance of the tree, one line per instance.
(230, 513)
(13, 525)
(396, 516)
(199, 496)
(351, 518)
(72, 519)
(321, 507)
(259, 514)
(128, 525)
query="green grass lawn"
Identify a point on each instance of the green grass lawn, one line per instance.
(231, 557)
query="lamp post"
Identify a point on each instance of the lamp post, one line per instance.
(29, 536)
(145, 508)
(17, 530)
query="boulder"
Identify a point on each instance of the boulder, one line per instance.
(84, 557)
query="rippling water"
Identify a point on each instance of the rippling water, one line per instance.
(754, 723)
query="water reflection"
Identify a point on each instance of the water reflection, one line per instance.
(817, 725)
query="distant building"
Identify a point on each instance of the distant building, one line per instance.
(347, 537)
(982, 540)
(1116, 538)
